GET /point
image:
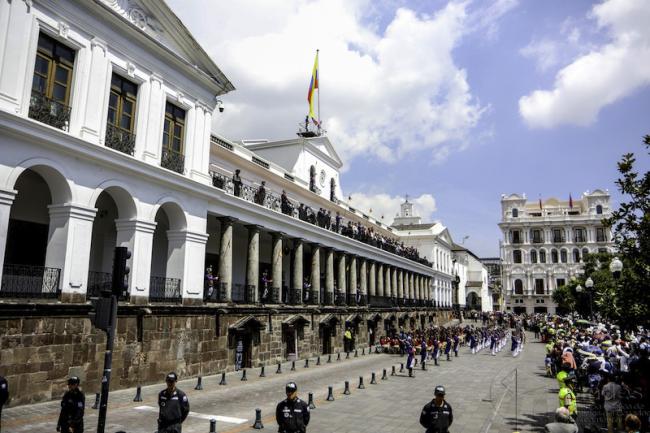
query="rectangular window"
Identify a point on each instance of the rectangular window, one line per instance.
(516, 256)
(579, 235)
(558, 236)
(121, 115)
(600, 234)
(539, 286)
(52, 82)
(560, 282)
(537, 236)
(516, 239)
(173, 138)
(542, 256)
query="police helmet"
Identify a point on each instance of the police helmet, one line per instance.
(171, 377)
(439, 390)
(73, 380)
(291, 387)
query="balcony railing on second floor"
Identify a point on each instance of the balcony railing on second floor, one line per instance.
(120, 139)
(173, 160)
(49, 111)
(28, 281)
(98, 282)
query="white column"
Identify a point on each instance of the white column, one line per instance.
(253, 259)
(6, 200)
(185, 260)
(198, 150)
(149, 136)
(94, 103)
(315, 274)
(225, 257)
(17, 20)
(137, 236)
(68, 248)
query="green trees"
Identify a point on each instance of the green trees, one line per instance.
(629, 301)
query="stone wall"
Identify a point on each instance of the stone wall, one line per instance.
(40, 349)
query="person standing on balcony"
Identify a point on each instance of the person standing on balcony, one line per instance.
(306, 290)
(210, 281)
(261, 194)
(236, 182)
(266, 281)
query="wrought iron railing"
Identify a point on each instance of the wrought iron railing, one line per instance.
(339, 298)
(216, 293)
(380, 301)
(27, 281)
(295, 297)
(49, 111)
(162, 289)
(120, 139)
(97, 282)
(243, 294)
(328, 298)
(173, 160)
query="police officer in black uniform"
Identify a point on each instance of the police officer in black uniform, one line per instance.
(292, 414)
(73, 403)
(174, 407)
(436, 415)
(4, 396)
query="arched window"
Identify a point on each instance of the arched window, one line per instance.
(519, 287)
(576, 255)
(533, 256)
(563, 256)
(554, 256)
(515, 213)
(542, 256)
(585, 251)
(599, 209)
(516, 256)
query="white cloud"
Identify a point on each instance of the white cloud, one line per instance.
(388, 206)
(385, 93)
(600, 77)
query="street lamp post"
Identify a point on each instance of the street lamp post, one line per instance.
(589, 284)
(579, 289)
(615, 267)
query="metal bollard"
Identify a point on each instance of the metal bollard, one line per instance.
(311, 401)
(392, 372)
(330, 394)
(363, 351)
(279, 370)
(213, 425)
(318, 361)
(96, 405)
(258, 420)
(293, 365)
(361, 383)
(199, 385)
(401, 368)
(338, 356)
(347, 355)
(262, 374)
(346, 391)
(243, 375)
(373, 380)
(307, 363)
(384, 377)
(223, 378)
(356, 353)
(329, 358)
(138, 394)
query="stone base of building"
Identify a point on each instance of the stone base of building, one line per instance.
(42, 345)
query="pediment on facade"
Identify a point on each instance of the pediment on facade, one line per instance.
(325, 147)
(538, 270)
(158, 21)
(518, 271)
(513, 197)
(248, 322)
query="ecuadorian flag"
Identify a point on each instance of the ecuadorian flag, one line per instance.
(313, 85)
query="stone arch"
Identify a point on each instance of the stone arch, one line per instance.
(174, 211)
(52, 173)
(128, 206)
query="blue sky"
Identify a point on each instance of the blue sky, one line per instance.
(452, 103)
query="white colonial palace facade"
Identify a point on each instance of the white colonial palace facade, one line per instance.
(106, 109)
(544, 242)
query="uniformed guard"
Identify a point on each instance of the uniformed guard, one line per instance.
(4, 396)
(437, 415)
(174, 407)
(73, 403)
(292, 413)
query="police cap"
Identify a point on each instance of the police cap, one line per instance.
(439, 390)
(73, 380)
(291, 387)
(171, 377)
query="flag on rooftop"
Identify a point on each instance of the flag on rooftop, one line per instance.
(313, 85)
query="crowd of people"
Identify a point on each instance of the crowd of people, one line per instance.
(601, 361)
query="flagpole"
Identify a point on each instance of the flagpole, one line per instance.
(318, 72)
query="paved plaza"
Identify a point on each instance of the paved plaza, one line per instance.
(480, 388)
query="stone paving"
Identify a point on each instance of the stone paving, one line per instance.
(480, 388)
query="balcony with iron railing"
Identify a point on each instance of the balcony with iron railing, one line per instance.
(162, 289)
(28, 281)
(98, 282)
(49, 111)
(120, 139)
(172, 160)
